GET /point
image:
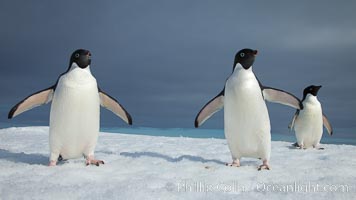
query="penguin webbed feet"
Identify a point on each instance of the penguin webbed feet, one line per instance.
(235, 163)
(91, 161)
(298, 146)
(264, 165)
(52, 163)
(94, 162)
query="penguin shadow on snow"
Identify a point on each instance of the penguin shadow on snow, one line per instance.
(244, 163)
(295, 146)
(31, 159)
(169, 158)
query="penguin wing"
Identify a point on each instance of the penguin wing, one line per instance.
(114, 106)
(34, 100)
(279, 96)
(291, 124)
(327, 125)
(213, 106)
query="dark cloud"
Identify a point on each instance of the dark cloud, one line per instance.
(163, 60)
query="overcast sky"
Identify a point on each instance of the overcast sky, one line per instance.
(163, 60)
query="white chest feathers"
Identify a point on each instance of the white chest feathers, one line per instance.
(78, 78)
(243, 94)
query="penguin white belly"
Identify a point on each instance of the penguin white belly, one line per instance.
(75, 115)
(247, 124)
(309, 124)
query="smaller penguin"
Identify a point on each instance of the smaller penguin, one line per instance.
(308, 122)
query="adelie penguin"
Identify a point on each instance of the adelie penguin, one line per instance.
(308, 122)
(75, 111)
(246, 120)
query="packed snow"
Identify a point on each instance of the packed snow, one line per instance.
(152, 167)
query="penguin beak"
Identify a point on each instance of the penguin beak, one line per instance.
(316, 90)
(255, 52)
(89, 57)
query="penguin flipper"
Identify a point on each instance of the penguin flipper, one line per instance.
(213, 106)
(291, 124)
(327, 125)
(279, 96)
(114, 106)
(34, 100)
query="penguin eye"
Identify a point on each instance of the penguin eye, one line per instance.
(77, 55)
(242, 55)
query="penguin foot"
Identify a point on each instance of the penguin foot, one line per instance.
(91, 161)
(235, 163)
(264, 165)
(52, 163)
(298, 146)
(94, 162)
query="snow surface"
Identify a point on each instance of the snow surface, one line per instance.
(151, 167)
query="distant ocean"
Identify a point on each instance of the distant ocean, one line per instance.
(340, 136)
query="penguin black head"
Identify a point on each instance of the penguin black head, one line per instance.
(245, 57)
(313, 90)
(81, 57)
